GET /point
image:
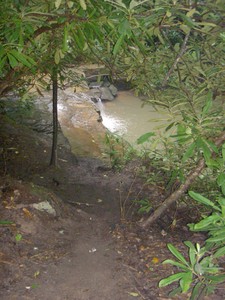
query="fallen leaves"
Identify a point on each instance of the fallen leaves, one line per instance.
(27, 213)
(155, 260)
(133, 294)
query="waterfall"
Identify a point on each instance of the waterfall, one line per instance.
(100, 106)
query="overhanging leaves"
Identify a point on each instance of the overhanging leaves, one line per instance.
(145, 137)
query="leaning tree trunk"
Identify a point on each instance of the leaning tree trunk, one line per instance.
(182, 189)
(53, 161)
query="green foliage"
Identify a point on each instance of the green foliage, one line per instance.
(119, 151)
(18, 237)
(36, 35)
(17, 108)
(189, 136)
(221, 180)
(144, 205)
(201, 273)
(213, 224)
(6, 222)
(176, 59)
(171, 52)
(145, 137)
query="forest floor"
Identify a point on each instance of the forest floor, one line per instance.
(83, 249)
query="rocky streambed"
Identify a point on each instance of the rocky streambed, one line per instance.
(79, 121)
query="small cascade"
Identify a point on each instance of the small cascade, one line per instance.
(100, 106)
(113, 123)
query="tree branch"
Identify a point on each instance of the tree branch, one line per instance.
(55, 26)
(182, 189)
(182, 50)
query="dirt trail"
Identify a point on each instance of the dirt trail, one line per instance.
(72, 256)
(90, 270)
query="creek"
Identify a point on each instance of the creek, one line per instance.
(127, 117)
(78, 117)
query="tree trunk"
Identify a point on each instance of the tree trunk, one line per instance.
(182, 189)
(53, 161)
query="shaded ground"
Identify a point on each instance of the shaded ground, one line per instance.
(83, 251)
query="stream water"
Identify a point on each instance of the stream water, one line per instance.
(127, 117)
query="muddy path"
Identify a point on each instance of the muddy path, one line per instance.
(90, 268)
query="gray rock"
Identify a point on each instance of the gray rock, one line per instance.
(95, 85)
(106, 94)
(45, 206)
(106, 83)
(113, 89)
(95, 94)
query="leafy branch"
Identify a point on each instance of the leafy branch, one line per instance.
(182, 189)
(181, 53)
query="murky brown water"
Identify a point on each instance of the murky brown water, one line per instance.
(127, 117)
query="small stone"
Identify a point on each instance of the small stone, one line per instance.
(163, 233)
(45, 206)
